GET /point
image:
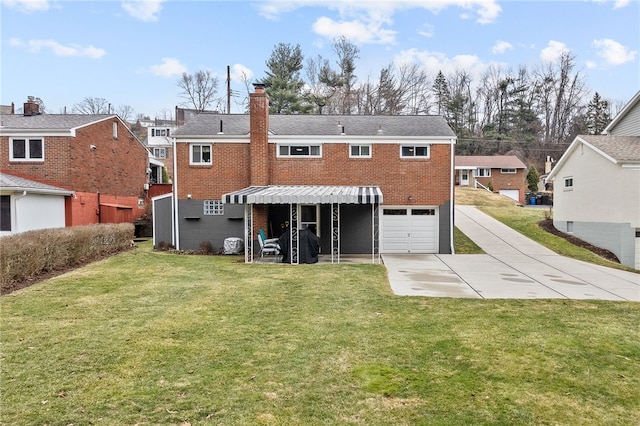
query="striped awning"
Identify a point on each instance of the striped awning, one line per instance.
(305, 195)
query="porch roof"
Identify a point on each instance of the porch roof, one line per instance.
(307, 194)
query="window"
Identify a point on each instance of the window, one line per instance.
(423, 212)
(394, 212)
(160, 152)
(26, 149)
(410, 151)
(508, 171)
(5, 212)
(213, 207)
(360, 151)
(568, 183)
(299, 150)
(200, 154)
(483, 172)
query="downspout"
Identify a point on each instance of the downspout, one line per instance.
(452, 195)
(174, 198)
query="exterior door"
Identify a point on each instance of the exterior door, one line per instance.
(464, 177)
(409, 230)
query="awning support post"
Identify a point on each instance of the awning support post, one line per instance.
(248, 233)
(335, 233)
(293, 227)
(375, 237)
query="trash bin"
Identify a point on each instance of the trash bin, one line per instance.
(532, 200)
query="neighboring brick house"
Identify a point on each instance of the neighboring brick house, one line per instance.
(505, 174)
(596, 194)
(94, 156)
(160, 146)
(366, 184)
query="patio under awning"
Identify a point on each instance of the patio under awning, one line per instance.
(307, 194)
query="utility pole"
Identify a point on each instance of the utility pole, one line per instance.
(228, 89)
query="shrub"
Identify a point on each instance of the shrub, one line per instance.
(24, 256)
(206, 247)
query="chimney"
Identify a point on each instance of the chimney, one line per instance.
(259, 136)
(30, 107)
(547, 165)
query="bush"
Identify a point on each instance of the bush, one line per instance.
(24, 256)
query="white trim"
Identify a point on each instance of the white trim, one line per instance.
(360, 145)
(201, 163)
(300, 145)
(414, 146)
(27, 142)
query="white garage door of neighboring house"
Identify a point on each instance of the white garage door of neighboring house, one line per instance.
(514, 194)
(409, 230)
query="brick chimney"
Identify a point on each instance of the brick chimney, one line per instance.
(259, 134)
(30, 107)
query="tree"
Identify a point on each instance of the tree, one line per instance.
(91, 105)
(199, 89)
(533, 177)
(597, 115)
(283, 82)
(125, 112)
(441, 93)
(347, 54)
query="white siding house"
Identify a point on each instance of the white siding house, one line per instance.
(597, 187)
(27, 205)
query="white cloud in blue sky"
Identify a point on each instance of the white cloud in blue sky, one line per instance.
(58, 49)
(170, 67)
(500, 47)
(27, 6)
(144, 10)
(613, 52)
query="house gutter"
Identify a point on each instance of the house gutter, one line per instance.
(174, 198)
(452, 195)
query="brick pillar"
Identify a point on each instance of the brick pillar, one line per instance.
(259, 133)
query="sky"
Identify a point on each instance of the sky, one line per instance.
(134, 52)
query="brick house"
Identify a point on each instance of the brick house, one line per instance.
(94, 156)
(506, 174)
(366, 184)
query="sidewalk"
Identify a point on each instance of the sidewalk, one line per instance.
(514, 267)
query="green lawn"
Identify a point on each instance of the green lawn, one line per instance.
(155, 338)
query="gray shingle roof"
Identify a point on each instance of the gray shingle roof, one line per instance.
(49, 121)
(321, 125)
(624, 149)
(16, 183)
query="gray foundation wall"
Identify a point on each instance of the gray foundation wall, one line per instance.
(619, 238)
(444, 228)
(162, 223)
(195, 227)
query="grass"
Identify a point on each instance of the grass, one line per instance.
(148, 337)
(525, 221)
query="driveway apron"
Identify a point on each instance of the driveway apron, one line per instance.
(514, 266)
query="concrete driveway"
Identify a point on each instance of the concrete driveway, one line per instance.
(514, 267)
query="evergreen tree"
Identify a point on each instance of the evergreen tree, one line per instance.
(283, 82)
(597, 115)
(441, 92)
(533, 177)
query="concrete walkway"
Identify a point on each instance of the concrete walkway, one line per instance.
(514, 267)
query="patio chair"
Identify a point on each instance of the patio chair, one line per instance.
(266, 240)
(267, 248)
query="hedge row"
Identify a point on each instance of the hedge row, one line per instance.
(24, 256)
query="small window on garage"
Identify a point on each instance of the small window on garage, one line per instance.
(423, 212)
(394, 212)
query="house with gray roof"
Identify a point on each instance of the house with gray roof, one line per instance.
(93, 156)
(363, 184)
(597, 187)
(503, 174)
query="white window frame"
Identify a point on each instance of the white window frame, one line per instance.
(213, 207)
(480, 172)
(27, 143)
(568, 183)
(290, 146)
(413, 149)
(201, 162)
(508, 171)
(359, 146)
(160, 152)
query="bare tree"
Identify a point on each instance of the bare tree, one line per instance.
(91, 105)
(125, 112)
(347, 54)
(199, 89)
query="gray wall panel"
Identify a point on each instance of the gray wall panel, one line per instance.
(195, 227)
(444, 228)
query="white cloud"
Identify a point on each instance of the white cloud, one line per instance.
(427, 30)
(369, 21)
(144, 10)
(500, 47)
(356, 31)
(613, 52)
(432, 62)
(591, 64)
(27, 6)
(617, 4)
(241, 73)
(168, 68)
(553, 51)
(59, 49)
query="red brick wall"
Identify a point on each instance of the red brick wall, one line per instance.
(425, 180)
(506, 181)
(259, 124)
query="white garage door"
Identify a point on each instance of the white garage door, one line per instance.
(409, 230)
(514, 194)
